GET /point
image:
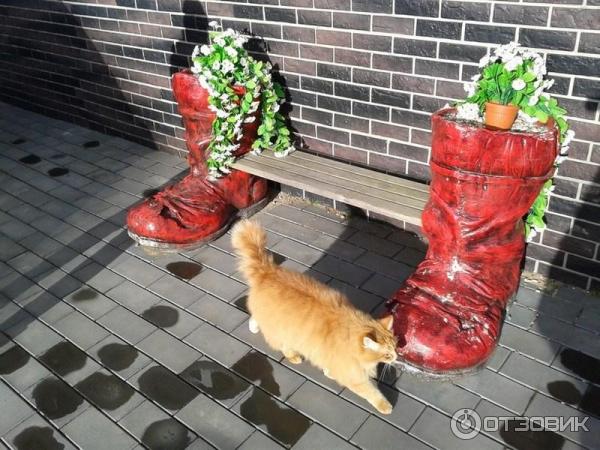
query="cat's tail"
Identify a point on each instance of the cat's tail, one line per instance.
(249, 241)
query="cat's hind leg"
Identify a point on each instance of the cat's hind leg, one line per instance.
(371, 394)
(253, 325)
(292, 356)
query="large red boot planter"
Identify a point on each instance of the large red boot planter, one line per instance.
(197, 209)
(448, 314)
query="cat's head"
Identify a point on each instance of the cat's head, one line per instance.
(378, 341)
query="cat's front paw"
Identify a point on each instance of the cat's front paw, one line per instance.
(384, 407)
(253, 325)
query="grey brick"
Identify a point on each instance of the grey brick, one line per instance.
(498, 357)
(169, 351)
(126, 325)
(528, 343)
(318, 437)
(215, 423)
(14, 411)
(377, 434)
(218, 312)
(98, 277)
(22, 377)
(9, 249)
(257, 341)
(138, 420)
(216, 259)
(90, 302)
(19, 435)
(138, 271)
(359, 298)
(217, 344)
(570, 336)
(176, 291)
(81, 330)
(133, 297)
(218, 284)
(323, 406)
(118, 356)
(34, 336)
(258, 441)
(92, 427)
(297, 251)
(29, 264)
(342, 270)
(381, 285)
(520, 316)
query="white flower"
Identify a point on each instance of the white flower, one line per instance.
(564, 149)
(468, 111)
(532, 233)
(476, 77)
(220, 41)
(244, 62)
(560, 159)
(196, 52)
(216, 66)
(222, 114)
(568, 137)
(518, 84)
(485, 61)
(249, 119)
(469, 88)
(533, 100)
(232, 52)
(227, 66)
(214, 24)
(240, 41)
(205, 50)
(513, 63)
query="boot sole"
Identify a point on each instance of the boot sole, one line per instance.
(154, 246)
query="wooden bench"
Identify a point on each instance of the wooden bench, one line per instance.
(387, 195)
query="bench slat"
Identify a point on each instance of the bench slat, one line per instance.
(387, 195)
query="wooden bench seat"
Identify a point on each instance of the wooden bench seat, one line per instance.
(387, 195)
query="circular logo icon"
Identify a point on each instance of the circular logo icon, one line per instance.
(465, 424)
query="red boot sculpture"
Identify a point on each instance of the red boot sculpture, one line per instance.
(197, 209)
(448, 314)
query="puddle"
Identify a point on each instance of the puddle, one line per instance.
(530, 440)
(581, 364)
(37, 438)
(58, 172)
(284, 424)
(117, 356)
(184, 269)
(166, 434)
(19, 141)
(242, 302)
(150, 193)
(58, 156)
(106, 391)
(165, 388)
(162, 316)
(256, 367)
(85, 294)
(591, 401)
(56, 399)
(13, 359)
(278, 258)
(214, 380)
(64, 358)
(30, 159)
(91, 144)
(564, 391)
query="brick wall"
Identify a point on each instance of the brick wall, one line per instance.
(363, 77)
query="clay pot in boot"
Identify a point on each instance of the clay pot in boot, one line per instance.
(448, 314)
(197, 209)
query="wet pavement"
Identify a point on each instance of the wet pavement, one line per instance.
(103, 346)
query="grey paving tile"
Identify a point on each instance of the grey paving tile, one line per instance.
(439, 394)
(36, 431)
(317, 437)
(119, 356)
(14, 410)
(46, 307)
(34, 336)
(289, 229)
(528, 343)
(218, 285)
(80, 330)
(92, 430)
(313, 221)
(58, 282)
(127, 325)
(434, 429)
(520, 316)
(216, 259)
(323, 406)
(498, 357)
(386, 266)
(336, 247)
(133, 297)
(258, 441)
(375, 244)
(218, 312)
(11, 314)
(589, 318)
(381, 285)
(574, 337)
(90, 302)
(215, 423)
(29, 264)
(281, 422)
(20, 369)
(16, 230)
(138, 271)
(314, 374)
(176, 291)
(217, 344)
(175, 320)
(343, 271)
(9, 248)
(98, 277)
(139, 419)
(297, 251)
(359, 298)
(168, 350)
(377, 434)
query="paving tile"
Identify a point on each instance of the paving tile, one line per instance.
(317, 437)
(168, 350)
(384, 265)
(217, 344)
(361, 299)
(81, 330)
(29, 264)
(257, 341)
(119, 356)
(377, 434)
(520, 316)
(9, 248)
(11, 314)
(127, 325)
(58, 282)
(14, 410)
(36, 431)
(297, 251)
(69, 362)
(216, 259)
(139, 271)
(342, 270)
(175, 320)
(381, 285)
(139, 419)
(434, 429)
(133, 297)
(34, 336)
(289, 229)
(498, 357)
(309, 220)
(528, 343)
(92, 427)
(281, 422)
(218, 285)
(336, 247)
(307, 370)
(218, 312)
(578, 364)
(439, 394)
(574, 337)
(46, 307)
(215, 423)
(258, 441)
(323, 406)
(176, 291)
(20, 369)
(98, 277)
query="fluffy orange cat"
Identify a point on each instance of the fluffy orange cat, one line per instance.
(302, 317)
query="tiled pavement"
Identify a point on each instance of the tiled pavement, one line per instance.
(105, 347)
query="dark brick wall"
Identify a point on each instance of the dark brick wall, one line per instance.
(363, 76)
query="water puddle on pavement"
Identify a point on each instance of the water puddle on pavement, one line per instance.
(55, 399)
(91, 144)
(58, 172)
(13, 359)
(256, 367)
(30, 159)
(166, 434)
(530, 440)
(162, 316)
(117, 356)
(85, 294)
(64, 358)
(184, 269)
(165, 388)
(37, 438)
(106, 391)
(214, 380)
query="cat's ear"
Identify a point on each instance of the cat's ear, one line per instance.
(387, 322)
(370, 343)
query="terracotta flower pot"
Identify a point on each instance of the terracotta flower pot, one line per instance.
(500, 117)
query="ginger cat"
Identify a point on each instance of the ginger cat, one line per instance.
(302, 317)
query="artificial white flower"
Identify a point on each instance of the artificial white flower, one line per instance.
(213, 24)
(469, 88)
(216, 66)
(560, 159)
(533, 100)
(476, 77)
(240, 41)
(513, 63)
(468, 111)
(227, 66)
(249, 119)
(220, 41)
(518, 84)
(205, 50)
(195, 52)
(243, 62)
(231, 52)
(222, 114)
(485, 61)
(532, 233)
(568, 137)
